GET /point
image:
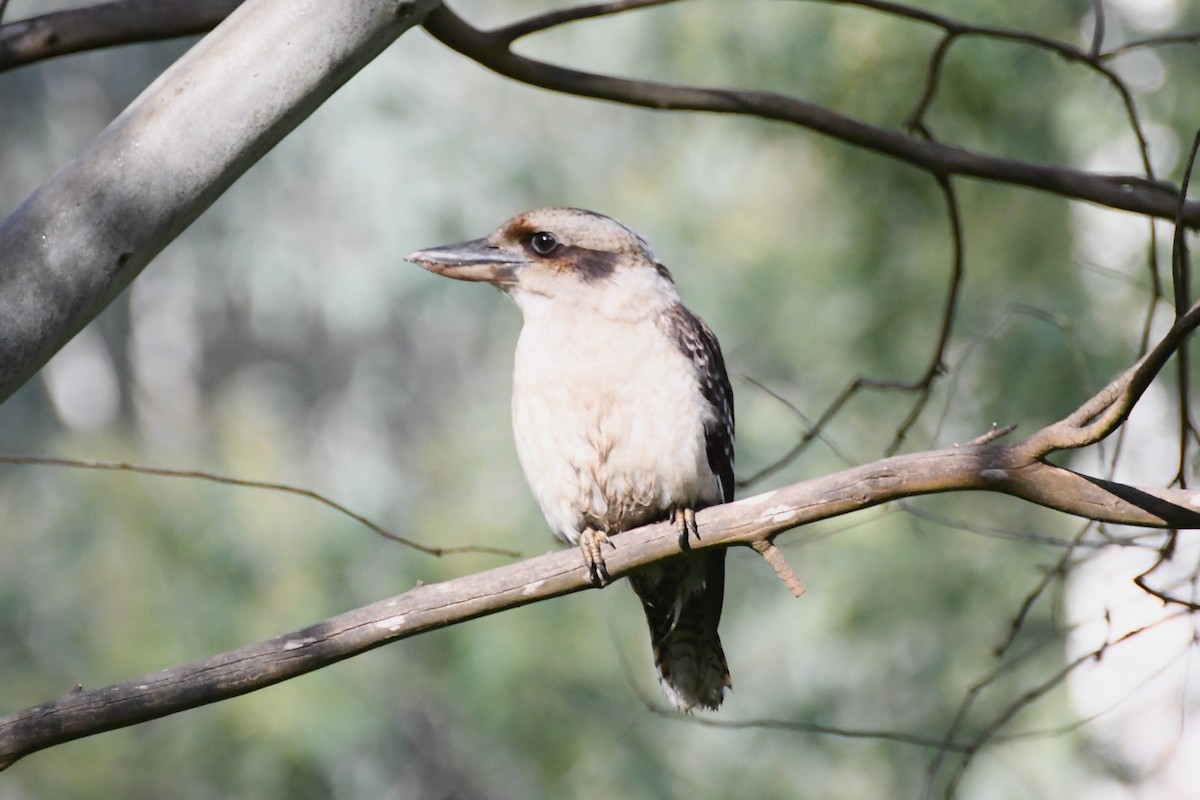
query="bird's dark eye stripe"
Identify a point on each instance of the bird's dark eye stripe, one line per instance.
(543, 242)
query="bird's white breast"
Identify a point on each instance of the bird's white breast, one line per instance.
(608, 419)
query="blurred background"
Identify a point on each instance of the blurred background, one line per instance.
(283, 338)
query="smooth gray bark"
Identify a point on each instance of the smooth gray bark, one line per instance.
(74, 244)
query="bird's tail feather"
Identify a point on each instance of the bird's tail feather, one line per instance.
(682, 599)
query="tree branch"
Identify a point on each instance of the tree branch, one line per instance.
(88, 231)
(758, 519)
(491, 49)
(562, 16)
(106, 25)
(1108, 408)
(62, 260)
(228, 480)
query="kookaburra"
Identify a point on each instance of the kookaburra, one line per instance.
(622, 414)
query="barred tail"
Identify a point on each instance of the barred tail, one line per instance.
(682, 599)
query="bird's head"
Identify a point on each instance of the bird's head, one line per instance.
(567, 257)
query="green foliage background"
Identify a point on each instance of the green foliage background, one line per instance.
(283, 338)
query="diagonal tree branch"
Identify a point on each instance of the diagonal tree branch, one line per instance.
(986, 466)
(105, 202)
(985, 463)
(88, 231)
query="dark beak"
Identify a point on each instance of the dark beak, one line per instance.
(476, 260)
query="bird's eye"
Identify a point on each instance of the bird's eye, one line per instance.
(543, 243)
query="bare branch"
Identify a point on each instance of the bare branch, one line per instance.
(1132, 193)
(757, 519)
(1151, 42)
(923, 386)
(955, 31)
(990, 732)
(993, 433)
(120, 466)
(812, 432)
(933, 76)
(1143, 579)
(1109, 407)
(1031, 695)
(797, 726)
(1098, 29)
(1049, 576)
(937, 363)
(1181, 275)
(106, 25)
(562, 16)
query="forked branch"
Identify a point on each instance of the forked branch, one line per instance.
(1108, 408)
(755, 521)
(493, 50)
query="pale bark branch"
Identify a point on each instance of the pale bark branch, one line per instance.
(991, 466)
(88, 231)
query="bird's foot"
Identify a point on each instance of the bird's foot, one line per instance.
(590, 543)
(685, 523)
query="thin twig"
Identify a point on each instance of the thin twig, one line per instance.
(1181, 274)
(1007, 533)
(988, 733)
(937, 362)
(1130, 192)
(993, 433)
(933, 75)
(811, 433)
(1108, 408)
(955, 30)
(1057, 572)
(1151, 42)
(1097, 29)
(120, 466)
(562, 16)
(923, 385)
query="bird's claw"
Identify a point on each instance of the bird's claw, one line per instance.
(685, 523)
(590, 543)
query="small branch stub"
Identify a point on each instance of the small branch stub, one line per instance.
(997, 431)
(774, 556)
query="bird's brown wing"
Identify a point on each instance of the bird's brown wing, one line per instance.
(682, 598)
(697, 340)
